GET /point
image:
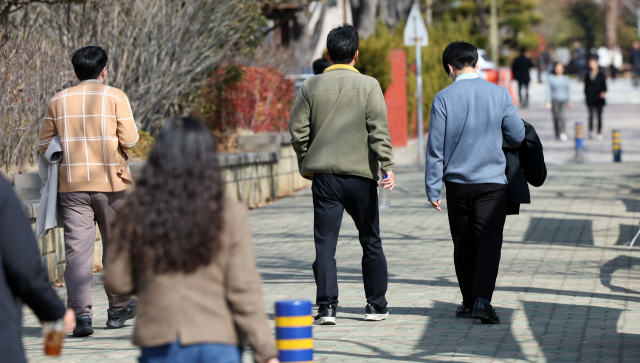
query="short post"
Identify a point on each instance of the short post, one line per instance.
(617, 146)
(294, 332)
(579, 137)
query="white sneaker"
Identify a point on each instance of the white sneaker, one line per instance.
(591, 135)
(564, 137)
(599, 137)
(373, 314)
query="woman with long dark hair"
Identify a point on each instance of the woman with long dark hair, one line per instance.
(595, 90)
(186, 251)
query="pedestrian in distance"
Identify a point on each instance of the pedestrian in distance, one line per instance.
(186, 251)
(521, 68)
(95, 125)
(319, 65)
(580, 59)
(23, 278)
(558, 98)
(469, 110)
(544, 58)
(595, 89)
(634, 59)
(339, 132)
(616, 61)
(604, 59)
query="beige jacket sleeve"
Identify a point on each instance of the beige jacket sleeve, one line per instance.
(244, 289)
(47, 130)
(378, 128)
(127, 129)
(118, 278)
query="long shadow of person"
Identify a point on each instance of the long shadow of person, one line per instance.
(618, 263)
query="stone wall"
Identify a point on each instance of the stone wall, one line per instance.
(266, 168)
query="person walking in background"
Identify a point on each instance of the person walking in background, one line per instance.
(595, 88)
(23, 278)
(580, 59)
(95, 124)
(319, 65)
(557, 98)
(187, 252)
(339, 132)
(634, 59)
(469, 110)
(616, 61)
(521, 68)
(563, 55)
(604, 59)
(544, 59)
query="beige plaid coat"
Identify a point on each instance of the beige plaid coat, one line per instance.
(95, 124)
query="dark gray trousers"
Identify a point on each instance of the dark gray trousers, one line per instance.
(80, 212)
(557, 109)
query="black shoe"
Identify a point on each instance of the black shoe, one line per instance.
(83, 326)
(371, 313)
(463, 311)
(485, 312)
(117, 318)
(326, 316)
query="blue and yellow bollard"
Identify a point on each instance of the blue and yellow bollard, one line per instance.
(294, 332)
(579, 137)
(617, 146)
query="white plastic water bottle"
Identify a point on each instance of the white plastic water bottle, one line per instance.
(384, 198)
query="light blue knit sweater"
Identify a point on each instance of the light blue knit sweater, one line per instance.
(468, 121)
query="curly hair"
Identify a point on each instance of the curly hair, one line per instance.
(172, 220)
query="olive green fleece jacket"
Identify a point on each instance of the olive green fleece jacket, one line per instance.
(338, 125)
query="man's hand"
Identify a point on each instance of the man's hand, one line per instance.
(602, 94)
(69, 321)
(570, 105)
(273, 360)
(436, 205)
(548, 105)
(390, 181)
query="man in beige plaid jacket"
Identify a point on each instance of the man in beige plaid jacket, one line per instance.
(95, 125)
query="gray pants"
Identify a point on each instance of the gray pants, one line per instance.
(557, 109)
(80, 212)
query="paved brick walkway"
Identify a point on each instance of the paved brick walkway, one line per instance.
(568, 289)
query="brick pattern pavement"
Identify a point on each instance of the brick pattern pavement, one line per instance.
(568, 289)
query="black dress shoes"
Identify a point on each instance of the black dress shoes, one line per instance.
(485, 312)
(371, 313)
(326, 316)
(463, 311)
(83, 326)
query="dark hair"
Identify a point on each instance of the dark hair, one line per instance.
(88, 62)
(459, 55)
(523, 50)
(592, 56)
(172, 220)
(342, 43)
(554, 68)
(319, 65)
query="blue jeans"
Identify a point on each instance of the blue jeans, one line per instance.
(196, 353)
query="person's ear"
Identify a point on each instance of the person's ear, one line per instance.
(477, 66)
(75, 74)
(329, 58)
(355, 57)
(450, 68)
(104, 72)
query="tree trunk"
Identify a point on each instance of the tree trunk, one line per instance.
(611, 22)
(364, 17)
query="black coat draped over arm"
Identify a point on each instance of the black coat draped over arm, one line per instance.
(525, 165)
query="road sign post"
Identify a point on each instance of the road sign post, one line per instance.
(415, 34)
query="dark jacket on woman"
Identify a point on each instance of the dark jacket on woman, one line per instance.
(524, 165)
(593, 88)
(22, 277)
(218, 303)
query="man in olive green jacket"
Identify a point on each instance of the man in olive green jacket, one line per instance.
(339, 131)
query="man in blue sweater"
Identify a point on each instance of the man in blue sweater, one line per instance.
(469, 120)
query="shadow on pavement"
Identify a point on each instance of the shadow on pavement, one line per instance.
(570, 232)
(618, 263)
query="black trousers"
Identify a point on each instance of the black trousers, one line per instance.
(597, 109)
(332, 195)
(477, 213)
